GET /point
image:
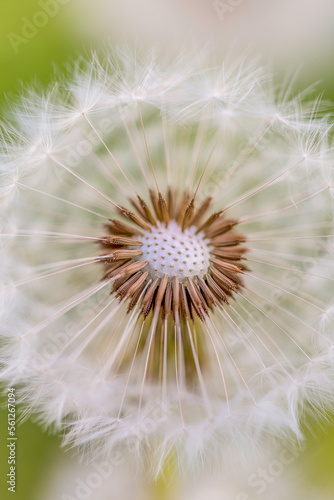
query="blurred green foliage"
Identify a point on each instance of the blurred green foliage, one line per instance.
(30, 42)
(23, 61)
(35, 452)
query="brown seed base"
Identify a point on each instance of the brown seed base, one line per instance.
(188, 299)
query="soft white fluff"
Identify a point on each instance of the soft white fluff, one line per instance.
(65, 154)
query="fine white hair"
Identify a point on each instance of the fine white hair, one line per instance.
(74, 153)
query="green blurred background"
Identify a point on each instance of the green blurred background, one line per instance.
(54, 43)
(76, 26)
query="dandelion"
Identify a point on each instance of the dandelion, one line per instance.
(167, 251)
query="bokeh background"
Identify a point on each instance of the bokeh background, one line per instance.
(293, 35)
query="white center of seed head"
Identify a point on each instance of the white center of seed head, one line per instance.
(175, 253)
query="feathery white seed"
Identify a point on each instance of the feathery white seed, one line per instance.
(198, 382)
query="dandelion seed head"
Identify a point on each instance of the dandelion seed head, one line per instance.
(167, 241)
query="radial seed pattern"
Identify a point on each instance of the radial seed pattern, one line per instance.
(167, 254)
(184, 267)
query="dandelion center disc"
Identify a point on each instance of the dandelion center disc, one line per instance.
(170, 251)
(173, 258)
